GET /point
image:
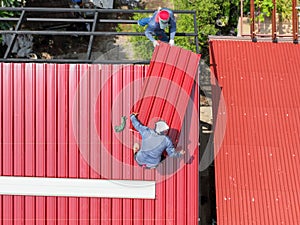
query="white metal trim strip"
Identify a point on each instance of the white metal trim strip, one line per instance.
(40, 186)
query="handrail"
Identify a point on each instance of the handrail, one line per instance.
(129, 11)
(83, 33)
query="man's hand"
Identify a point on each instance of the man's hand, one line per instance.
(135, 113)
(155, 43)
(182, 152)
(171, 42)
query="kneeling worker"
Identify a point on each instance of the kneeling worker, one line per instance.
(156, 25)
(154, 142)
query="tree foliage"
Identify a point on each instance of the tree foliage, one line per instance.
(8, 3)
(142, 47)
(208, 13)
(284, 9)
(263, 8)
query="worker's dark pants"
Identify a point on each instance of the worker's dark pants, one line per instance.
(163, 157)
(162, 36)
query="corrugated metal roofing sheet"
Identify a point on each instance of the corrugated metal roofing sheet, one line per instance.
(165, 95)
(167, 87)
(58, 121)
(257, 128)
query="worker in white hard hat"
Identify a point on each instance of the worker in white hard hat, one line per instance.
(156, 25)
(154, 143)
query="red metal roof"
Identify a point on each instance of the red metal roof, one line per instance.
(257, 127)
(58, 121)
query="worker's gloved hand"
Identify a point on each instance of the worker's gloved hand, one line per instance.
(182, 152)
(134, 113)
(155, 43)
(171, 42)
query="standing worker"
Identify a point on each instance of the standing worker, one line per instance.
(157, 24)
(154, 142)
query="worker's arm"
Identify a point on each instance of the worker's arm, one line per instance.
(172, 151)
(136, 123)
(151, 27)
(148, 33)
(144, 21)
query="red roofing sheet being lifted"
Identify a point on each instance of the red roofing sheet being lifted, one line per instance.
(58, 121)
(165, 95)
(257, 125)
(167, 87)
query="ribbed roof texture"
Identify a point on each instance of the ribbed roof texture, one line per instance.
(59, 121)
(168, 86)
(257, 127)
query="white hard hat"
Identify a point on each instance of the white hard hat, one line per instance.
(161, 126)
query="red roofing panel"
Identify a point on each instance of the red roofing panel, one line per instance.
(165, 95)
(40, 138)
(256, 131)
(58, 121)
(7, 138)
(73, 166)
(168, 86)
(1, 134)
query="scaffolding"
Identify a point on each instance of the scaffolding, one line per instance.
(274, 35)
(45, 15)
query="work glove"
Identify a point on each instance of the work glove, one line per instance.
(134, 114)
(171, 42)
(155, 43)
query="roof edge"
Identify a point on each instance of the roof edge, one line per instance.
(248, 38)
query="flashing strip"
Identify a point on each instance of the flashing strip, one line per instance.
(70, 187)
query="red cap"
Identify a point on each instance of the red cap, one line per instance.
(164, 15)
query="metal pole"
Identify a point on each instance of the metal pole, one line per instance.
(54, 10)
(14, 36)
(89, 51)
(252, 16)
(241, 20)
(196, 33)
(72, 20)
(69, 61)
(295, 21)
(274, 32)
(83, 33)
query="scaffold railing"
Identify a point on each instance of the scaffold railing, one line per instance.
(96, 17)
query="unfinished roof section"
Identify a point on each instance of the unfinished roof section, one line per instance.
(256, 116)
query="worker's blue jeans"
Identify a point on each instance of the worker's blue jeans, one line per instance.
(143, 165)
